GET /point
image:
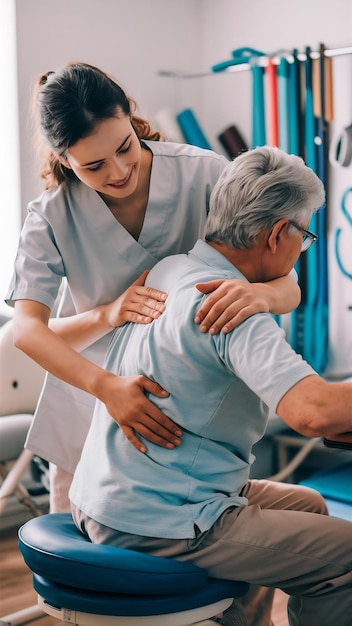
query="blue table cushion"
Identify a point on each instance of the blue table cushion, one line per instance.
(342, 510)
(334, 482)
(54, 548)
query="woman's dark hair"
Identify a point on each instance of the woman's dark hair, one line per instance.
(69, 105)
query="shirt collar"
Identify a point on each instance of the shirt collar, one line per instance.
(209, 256)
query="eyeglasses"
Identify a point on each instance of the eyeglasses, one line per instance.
(308, 237)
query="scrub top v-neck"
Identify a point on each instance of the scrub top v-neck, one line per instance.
(71, 240)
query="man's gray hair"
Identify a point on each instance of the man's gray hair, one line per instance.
(256, 190)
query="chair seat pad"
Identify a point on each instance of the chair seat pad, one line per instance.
(100, 603)
(13, 432)
(54, 548)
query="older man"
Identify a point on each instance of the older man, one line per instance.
(196, 502)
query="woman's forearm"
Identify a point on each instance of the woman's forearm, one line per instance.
(283, 294)
(138, 304)
(49, 350)
(81, 330)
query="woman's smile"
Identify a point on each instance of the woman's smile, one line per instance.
(122, 183)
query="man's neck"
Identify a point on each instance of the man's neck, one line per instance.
(249, 261)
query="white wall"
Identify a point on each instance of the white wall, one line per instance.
(131, 40)
(9, 152)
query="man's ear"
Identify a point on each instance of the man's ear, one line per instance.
(276, 235)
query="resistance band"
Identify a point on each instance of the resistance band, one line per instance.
(310, 321)
(272, 99)
(296, 145)
(294, 101)
(321, 344)
(284, 129)
(258, 106)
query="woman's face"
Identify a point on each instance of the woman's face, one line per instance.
(109, 159)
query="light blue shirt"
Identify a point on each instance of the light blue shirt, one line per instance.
(221, 388)
(70, 234)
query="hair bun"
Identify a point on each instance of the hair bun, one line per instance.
(43, 79)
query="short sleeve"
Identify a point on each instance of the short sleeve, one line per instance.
(38, 267)
(258, 353)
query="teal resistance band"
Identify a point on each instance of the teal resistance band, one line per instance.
(284, 119)
(250, 55)
(310, 319)
(321, 343)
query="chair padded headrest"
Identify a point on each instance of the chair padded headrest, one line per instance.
(54, 548)
(21, 378)
(13, 433)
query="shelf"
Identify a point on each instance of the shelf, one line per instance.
(260, 60)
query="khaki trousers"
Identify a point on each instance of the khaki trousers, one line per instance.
(282, 539)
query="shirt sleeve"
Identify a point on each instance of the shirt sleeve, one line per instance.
(38, 267)
(257, 352)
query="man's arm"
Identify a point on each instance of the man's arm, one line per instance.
(316, 408)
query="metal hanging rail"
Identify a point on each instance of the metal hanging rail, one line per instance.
(261, 60)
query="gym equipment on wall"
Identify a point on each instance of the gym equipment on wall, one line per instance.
(292, 107)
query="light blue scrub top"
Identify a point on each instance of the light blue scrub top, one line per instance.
(221, 389)
(70, 234)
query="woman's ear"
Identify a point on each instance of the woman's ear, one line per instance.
(64, 161)
(276, 235)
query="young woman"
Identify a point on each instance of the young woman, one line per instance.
(117, 200)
